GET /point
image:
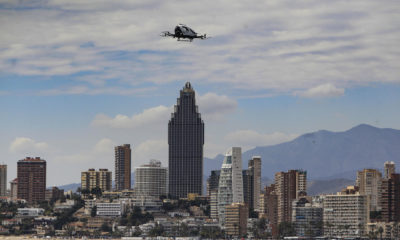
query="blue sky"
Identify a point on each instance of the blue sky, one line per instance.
(78, 78)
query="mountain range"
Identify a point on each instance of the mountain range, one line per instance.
(325, 154)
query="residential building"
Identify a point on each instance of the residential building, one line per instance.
(54, 194)
(252, 183)
(111, 209)
(389, 169)
(255, 168)
(213, 181)
(3, 180)
(289, 186)
(369, 182)
(345, 215)
(230, 188)
(92, 179)
(236, 216)
(151, 179)
(14, 189)
(31, 174)
(30, 212)
(123, 167)
(214, 204)
(270, 208)
(306, 218)
(390, 230)
(390, 198)
(185, 146)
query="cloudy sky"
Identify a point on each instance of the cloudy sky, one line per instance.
(79, 77)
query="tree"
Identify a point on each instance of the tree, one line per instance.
(93, 212)
(286, 229)
(96, 191)
(105, 227)
(137, 232)
(157, 230)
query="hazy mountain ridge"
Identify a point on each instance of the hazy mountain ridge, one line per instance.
(325, 153)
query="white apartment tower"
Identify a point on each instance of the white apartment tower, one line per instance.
(151, 179)
(230, 189)
(345, 215)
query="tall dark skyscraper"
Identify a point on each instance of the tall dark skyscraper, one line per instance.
(123, 167)
(185, 140)
(31, 173)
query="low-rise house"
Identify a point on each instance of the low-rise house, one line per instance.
(11, 222)
(62, 206)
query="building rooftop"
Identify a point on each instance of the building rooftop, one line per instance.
(31, 159)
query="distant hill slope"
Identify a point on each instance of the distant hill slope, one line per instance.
(324, 153)
(317, 187)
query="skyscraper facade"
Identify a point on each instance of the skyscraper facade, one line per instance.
(123, 167)
(31, 174)
(255, 169)
(230, 188)
(390, 200)
(3, 180)
(289, 186)
(185, 140)
(151, 179)
(369, 182)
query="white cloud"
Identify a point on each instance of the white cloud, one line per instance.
(28, 146)
(211, 106)
(216, 107)
(105, 145)
(150, 149)
(324, 90)
(251, 138)
(155, 115)
(269, 46)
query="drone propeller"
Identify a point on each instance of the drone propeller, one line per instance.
(165, 34)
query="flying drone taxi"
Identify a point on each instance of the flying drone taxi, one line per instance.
(183, 32)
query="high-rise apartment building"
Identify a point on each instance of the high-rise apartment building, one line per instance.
(31, 174)
(270, 208)
(92, 179)
(213, 181)
(151, 179)
(230, 188)
(389, 169)
(185, 140)
(123, 167)
(390, 198)
(236, 216)
(14, 189)
(345, 215)
(369, 182)
(306, 218)
(255, 169)
(289, 186)
(3, 180)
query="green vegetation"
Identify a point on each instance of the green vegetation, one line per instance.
(286, 229)
(67, 216)
(135, 218)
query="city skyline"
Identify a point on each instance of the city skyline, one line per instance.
(74, 84)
